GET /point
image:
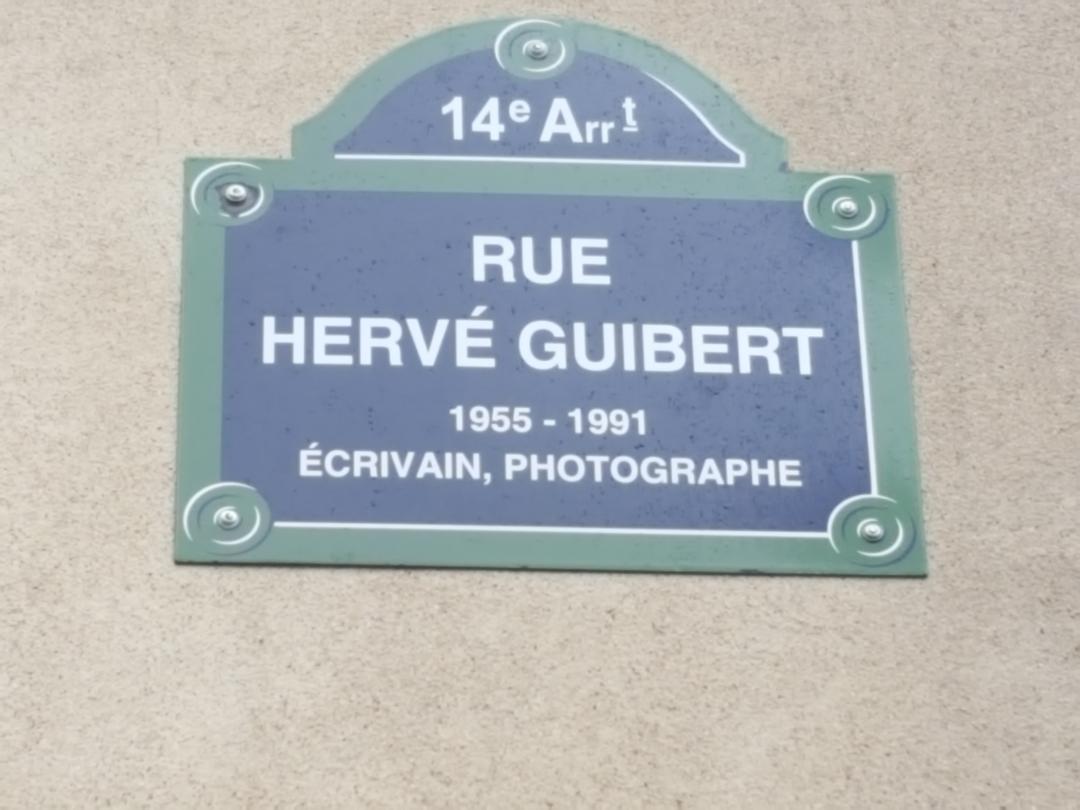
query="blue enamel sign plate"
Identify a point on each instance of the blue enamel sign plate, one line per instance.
(537, 294)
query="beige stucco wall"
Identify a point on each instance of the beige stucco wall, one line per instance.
(126, 681)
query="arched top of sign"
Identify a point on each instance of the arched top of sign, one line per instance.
(538, 91)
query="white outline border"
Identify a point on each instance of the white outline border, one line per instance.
(741, 164)
(466, 527)
(572, 161)
(870, 449)
(864, 362)
(708, 125)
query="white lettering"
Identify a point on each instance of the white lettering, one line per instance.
(745, 336)
(482, 259)
(555, 353)
(580, 261)
(803, 336)
(323, 338)
(658, 340)
(273, 338)
(560, 121)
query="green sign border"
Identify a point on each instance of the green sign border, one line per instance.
(247, 534)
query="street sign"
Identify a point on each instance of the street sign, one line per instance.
(538, 294)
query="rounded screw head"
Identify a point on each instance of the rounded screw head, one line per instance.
(227, 518)
(537, 49)
(871, 531)
(235, 193)
(846, 207)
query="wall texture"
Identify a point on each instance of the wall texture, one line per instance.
(126, 681)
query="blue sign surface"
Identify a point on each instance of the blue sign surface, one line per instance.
(702, 371)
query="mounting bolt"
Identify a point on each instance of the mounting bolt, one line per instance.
(227, 518)
(871, 531)
(537, 49)
(846, 207)
(235, 193)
